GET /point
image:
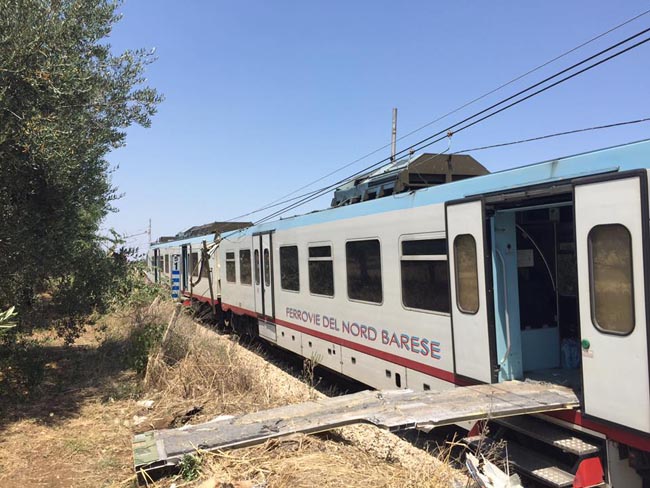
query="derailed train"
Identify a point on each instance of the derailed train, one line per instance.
(537, 273)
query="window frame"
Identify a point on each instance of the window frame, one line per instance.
(280, 247)
(205, 267)
(423, 257)
(234, 261)
(194, 264)
(592, 296)
(267, 266)
(457, 281)
(250, 261)
(257, 268)
(326, 258)
(381, 270)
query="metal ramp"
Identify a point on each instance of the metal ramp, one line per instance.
(393, 410)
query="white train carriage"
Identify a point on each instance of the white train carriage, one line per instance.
(186, 256)
(532, 273)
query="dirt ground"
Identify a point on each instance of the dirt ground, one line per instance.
(76, 428)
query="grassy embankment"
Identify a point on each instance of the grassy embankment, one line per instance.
(68, 414)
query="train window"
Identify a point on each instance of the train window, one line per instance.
(610, 269)
(425, 276)
(245, 266)
(194, 263)
(466, 266)
(160, 263)
(166, 263)
(321, 271)
(267, 268)
(289, 276)
(363, 263)
(257, 267)
(425, 247)
(205, 266)
(231, 271)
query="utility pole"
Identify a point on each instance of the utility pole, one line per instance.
(149, 232)
(393, 139)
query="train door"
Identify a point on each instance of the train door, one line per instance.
(263, 275)
(611, 218)
(184, 268)
(472, 341)
(156, 270)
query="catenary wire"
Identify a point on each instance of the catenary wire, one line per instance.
(281, 201)
(556, 134)
(548, 136)
(420, 145)
(541, 90)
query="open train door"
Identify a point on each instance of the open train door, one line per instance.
(469, 305)
(263, 271)
(611, 248)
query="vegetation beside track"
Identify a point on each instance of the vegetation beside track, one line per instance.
(81, 414)
(66, 101)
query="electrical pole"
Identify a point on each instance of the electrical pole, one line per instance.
(149, 232)
(393, 139)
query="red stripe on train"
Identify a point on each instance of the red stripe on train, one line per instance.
(392, 358)
(633, 439)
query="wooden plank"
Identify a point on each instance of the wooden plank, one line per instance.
(392, 410)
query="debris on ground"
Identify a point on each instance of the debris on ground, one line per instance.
(98, 401)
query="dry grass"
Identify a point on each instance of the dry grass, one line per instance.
(194, 376)
(75, 428)
(307, 461)
(195, 369)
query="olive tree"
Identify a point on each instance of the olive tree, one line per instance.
(66, 99)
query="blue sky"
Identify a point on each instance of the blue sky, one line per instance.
(263, 97)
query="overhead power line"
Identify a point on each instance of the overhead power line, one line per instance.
(541, 90)
(550, 136)
(428, 141)
(272, 205)
(546, 136)
(281, 200)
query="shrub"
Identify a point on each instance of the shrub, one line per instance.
(190, 467)
(145, 338)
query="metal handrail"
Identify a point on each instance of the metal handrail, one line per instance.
(505, 304)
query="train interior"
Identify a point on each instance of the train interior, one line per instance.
(536, 299)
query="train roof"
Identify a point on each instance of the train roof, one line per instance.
(198, 234)
(618, 158)
(182, 242)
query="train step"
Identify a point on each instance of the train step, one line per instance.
(538, 466)
(525, 461)
(549, 434)
(542, 451)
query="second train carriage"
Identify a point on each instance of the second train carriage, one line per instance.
(534, 273)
